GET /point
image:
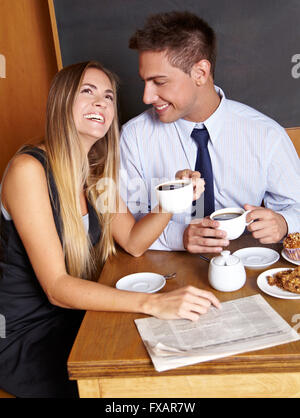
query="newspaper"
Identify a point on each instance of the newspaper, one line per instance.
(240, 325)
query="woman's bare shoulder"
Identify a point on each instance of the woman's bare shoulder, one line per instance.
(23, 173)
(23, 164)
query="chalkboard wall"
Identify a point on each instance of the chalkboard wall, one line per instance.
(258, 47)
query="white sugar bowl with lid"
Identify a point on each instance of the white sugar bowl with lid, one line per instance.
(226, 272)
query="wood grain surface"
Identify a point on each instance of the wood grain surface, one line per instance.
(108, 344)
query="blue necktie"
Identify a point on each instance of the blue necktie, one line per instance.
(203, 164)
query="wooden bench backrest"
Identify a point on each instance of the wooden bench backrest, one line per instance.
(294, 134)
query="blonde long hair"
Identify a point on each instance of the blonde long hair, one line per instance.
(73, 170)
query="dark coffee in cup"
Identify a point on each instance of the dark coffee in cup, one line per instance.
(171, 186)
(232, 221)
(226, 216)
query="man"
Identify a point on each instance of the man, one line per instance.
(251, 158)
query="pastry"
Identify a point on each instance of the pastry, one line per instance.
(291, 246)
(286, 280)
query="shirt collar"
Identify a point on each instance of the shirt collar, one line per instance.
(214, 124)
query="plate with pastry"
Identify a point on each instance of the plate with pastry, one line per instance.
(290, 260)
(282, 283)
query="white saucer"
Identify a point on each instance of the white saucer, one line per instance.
(289, 259)
(141, 282)
(257, 257)
(275, 291)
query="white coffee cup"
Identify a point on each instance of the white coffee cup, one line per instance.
(175, 200)
(234, 226)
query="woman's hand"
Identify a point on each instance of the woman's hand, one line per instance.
(187, 303)
(198, 182)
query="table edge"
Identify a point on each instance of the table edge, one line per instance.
(228, 365)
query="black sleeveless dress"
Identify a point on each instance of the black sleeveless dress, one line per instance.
(38, 335)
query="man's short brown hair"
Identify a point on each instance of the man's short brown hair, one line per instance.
(184, 36)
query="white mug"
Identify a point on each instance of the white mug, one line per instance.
(176, 200)
(235, 226)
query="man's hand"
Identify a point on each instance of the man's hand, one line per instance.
(201, 236)
(198, 182)
(269, 227)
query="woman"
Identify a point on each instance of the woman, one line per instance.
(53, 239)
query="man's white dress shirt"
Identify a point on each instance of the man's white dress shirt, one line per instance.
(253, 161)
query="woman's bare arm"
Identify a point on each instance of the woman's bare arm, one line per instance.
(25, 196)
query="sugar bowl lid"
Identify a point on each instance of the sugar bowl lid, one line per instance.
(226, 259)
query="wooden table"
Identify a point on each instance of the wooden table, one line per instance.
(109, 360)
